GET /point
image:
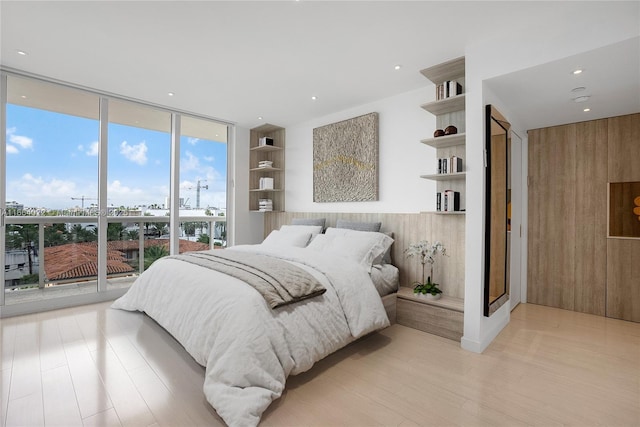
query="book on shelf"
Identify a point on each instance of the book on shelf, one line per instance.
(451, 164)
(266, 183)
(265, 205)
(456, 164)
(265, 164)
(453, 88)
(438, 201)
(451, 201)
(265, 140)
(448, 89)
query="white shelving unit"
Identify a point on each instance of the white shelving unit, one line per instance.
(448, 111)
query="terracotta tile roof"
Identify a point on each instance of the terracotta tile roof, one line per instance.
(78, 260)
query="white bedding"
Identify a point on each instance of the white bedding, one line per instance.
(247, 348)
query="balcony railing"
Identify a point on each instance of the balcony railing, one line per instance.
(46, 265)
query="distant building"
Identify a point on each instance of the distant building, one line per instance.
(14, 207)
(16, 266)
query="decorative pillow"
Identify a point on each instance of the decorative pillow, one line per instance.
(364, 247)
(386, 258)
(309, 221)
(312, 229)
(278, 238)
(358, 225)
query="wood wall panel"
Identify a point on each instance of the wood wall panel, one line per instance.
(623, 279)
(624, 148)
(591, 217)
(407, 228)
(551, 247)
(568, 229)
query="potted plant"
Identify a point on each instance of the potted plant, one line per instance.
(427, 253)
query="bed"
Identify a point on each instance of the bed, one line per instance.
(247, 347)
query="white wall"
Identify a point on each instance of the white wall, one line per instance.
(248, 227)
(402, 158)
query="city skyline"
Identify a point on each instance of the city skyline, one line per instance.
(52, 162)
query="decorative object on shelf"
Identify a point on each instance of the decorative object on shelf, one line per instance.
(450, 130)
(427, 253)
(265, 140)
(345, 160)
(636, 209)
(438, 132)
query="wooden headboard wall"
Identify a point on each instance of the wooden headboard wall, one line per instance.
(407, 228)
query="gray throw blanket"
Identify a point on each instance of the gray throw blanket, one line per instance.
(278, 281)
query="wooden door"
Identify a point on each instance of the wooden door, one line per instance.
(551, 213)
(567, 217)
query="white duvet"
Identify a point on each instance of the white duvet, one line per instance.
(247, 348)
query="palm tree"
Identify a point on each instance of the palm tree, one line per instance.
(115, 231)
(133, 234)
(153, 253)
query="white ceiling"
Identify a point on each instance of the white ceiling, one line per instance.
(239, 60)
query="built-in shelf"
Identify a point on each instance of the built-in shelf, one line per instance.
(444, 176)
(445, 301)
(447, 212)
(446, 141)
(253, 210)
(447, 105)
(274, 156)
(443, 71)
(266, 148)
(265, 169)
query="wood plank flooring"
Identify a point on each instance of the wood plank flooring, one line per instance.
(95, 366)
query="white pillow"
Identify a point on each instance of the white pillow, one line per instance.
(278, 238)
(320, 243)
(364, 247)
(311, 229)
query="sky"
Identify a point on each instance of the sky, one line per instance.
(52, 162)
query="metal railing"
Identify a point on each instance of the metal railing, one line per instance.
(33, 248)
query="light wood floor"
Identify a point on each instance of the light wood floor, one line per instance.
(92, 365)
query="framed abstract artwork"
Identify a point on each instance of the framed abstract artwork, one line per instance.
(345, 160)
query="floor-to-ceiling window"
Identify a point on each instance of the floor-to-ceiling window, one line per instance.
(203, 184)
(51, 171)
(87, 189)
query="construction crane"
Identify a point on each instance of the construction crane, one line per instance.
(198, 187)
(83, 199)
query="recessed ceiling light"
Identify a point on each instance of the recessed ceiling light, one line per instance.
(397, 67)
(581, 98)
(23, 96)
(314, 98)
(22, 52)
(578, 89)
(259, 117)
(577, 71)
(170, 93)
(586, 110)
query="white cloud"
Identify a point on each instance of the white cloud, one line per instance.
(136, 153)
(11, 149)
(193, 141)
(189, 162)
(209, 158)
(93, 149)
(21, 141)
(35, 191)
